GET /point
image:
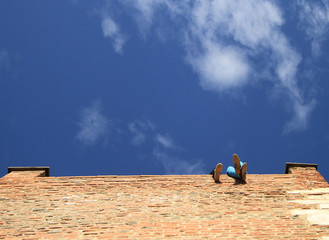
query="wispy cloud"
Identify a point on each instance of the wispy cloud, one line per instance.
(139, 129)
(146, 10)
(138, 135)
(207, 27)
(175, 165)
(314, 20)
(9, 64)
(112, 31)
(164, 149)
(254, 29)
(220, 68)
(300, 119)
(222, 39)
(93, 125)
(4, 60)
(164, 141)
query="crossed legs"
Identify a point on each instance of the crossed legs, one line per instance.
(239, 171)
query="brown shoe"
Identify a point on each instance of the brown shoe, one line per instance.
(236, 162)
(218, 171)
(243, 173)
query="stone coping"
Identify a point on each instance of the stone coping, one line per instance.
(303, 165)
(46, 169)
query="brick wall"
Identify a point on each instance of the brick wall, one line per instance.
(151, 207)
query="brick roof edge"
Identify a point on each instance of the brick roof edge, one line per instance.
(47, 174)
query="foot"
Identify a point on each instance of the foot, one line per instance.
(218, 171)
(236, 162)
(243, 173)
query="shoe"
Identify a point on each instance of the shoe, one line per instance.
(236, 162)
(218, 171)
(243, 173)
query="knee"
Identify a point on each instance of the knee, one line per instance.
(231, 172)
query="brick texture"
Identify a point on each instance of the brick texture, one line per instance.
(154, 207)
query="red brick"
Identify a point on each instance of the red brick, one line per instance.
(152, 207)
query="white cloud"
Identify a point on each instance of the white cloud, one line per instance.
(139, 137)
(255, 28)
(164, 148)
(111, 30)
(164, 141)
(314, 20)
(228, 34)
(140, 129)
(301, 117)
(175, 165)
(165, 151)
(4, 60)
(9, 64)
(144, 20)
(93, 125)
(251, 23)
(220, 68)
(146, 11)
(222, 38)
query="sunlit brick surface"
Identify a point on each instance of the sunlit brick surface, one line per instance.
(152, 207)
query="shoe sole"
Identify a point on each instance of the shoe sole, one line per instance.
(244, 172)
(236, 162)
(218, 171)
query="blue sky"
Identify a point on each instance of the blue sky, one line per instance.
(163, 86)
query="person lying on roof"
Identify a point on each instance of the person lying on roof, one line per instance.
(239, 171)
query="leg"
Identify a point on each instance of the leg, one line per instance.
(218, 171)
(237, 163)
(212, 173)
(231, 173)
(243, 172)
